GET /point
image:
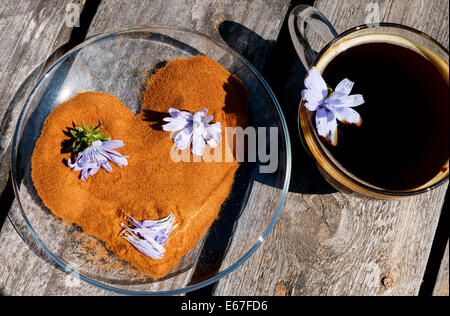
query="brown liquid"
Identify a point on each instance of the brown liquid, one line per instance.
(404, 140)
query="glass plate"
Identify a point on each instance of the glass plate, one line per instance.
(114, 63)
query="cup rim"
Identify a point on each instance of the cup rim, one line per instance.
(326, 159)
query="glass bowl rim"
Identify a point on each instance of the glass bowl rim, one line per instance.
(386, 193)
(260, 240)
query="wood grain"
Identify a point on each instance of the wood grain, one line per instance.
(441, 287)
(324, 243)
(239, 23)
(329, 243)
(30, 31)
(250, 27)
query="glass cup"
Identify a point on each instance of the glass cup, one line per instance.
(304, 18)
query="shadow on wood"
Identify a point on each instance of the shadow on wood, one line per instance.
(283, 60)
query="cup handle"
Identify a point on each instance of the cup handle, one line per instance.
(302, 17)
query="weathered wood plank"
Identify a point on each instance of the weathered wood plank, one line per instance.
(331, 243)
(250, 27)
(23, 272)
(441, 287)
(29, 30)
(231, 20)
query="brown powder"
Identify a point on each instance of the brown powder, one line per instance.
(152, 186)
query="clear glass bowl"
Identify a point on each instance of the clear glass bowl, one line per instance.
(116, 63)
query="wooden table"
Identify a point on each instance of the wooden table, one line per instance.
(325, 242)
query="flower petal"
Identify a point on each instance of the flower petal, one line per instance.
(198, 144)
(202, 112)
(208, 119)
(347, 116)
(214, 131)
(322, 122)
(96, 156)
(332, 135)
(175, 125)
(184, 138)
(352, 100)
(344, 101)
(107, 167)
(315, 82)
(313, 100)
(84, 174)
(345, 87)
(330, 107)
(97, 144)
(212, 143)
(196, 131)
(70, 164)
(112, 144)
(149, 236)
(94, 170)
(89, 158)
(316, 90)
(115, 157)
(180, 114)
(334, 99)
(146, 247)
(154, 224)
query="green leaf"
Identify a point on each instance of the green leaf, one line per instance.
(83, 137)
(104, 137)
(330, 92)
(99, 126)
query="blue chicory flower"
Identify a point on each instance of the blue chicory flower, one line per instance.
(330, 107)
(98, 155)
(193, 129)
(149, 236)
